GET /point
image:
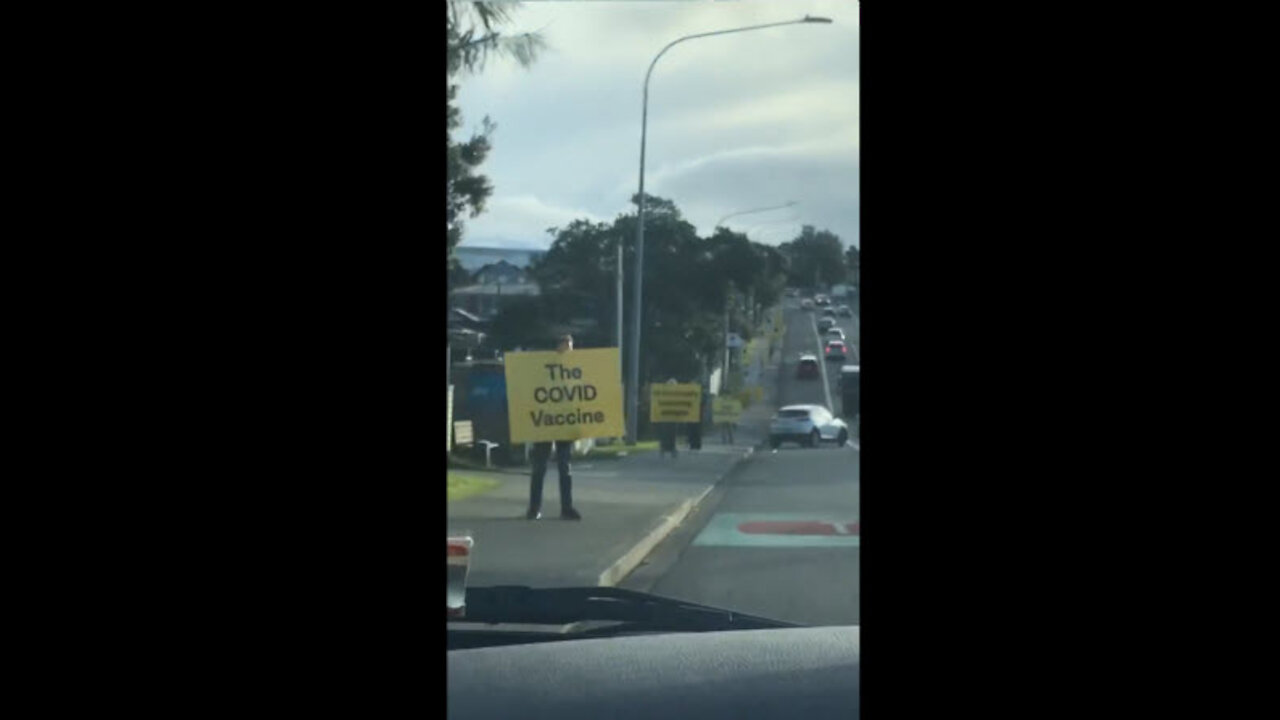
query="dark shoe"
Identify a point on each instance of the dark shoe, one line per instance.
(570, 514)
(533, 515)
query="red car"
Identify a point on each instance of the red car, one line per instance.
(807, 367)
(835, 350)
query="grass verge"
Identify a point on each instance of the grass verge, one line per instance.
(462, 485)
(614, 452)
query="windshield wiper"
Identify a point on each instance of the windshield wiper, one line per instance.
(637, 611)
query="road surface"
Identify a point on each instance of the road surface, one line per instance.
(780, 536)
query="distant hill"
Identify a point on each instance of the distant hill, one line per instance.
(474, 258)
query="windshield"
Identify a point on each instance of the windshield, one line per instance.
(645, 203)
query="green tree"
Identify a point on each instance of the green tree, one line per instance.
(689, 282)
(683, 294)
(577, 274)
(853, 263)
(466, 188)
(816, 258)
(521, 323)
(474, 37)
(458, 275)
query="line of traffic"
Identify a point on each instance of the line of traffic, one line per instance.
(822, 364)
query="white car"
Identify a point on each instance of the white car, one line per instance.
(808, 425)
(835, 333)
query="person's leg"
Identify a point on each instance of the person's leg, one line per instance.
(541, 452)
(564, 453)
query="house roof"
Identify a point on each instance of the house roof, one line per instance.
(500, 265)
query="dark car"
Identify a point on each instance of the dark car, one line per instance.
(826, 323)
(844, 311)
(807, 367)
(828, 311)
(850, 390)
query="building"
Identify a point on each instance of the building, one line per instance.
(500, 273)
(474, 258)
(484, 299)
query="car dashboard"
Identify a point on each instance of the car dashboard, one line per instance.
(760, 674)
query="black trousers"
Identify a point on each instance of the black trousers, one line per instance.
(541, 454)
(726, 433)
(695, 436)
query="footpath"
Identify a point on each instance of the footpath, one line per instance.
(628, 504)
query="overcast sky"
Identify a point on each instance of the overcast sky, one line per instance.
(736, 122)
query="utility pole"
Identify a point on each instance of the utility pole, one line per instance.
(724, 376)
(618, 328)
(633, 388)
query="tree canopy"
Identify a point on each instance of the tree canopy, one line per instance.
(474, 36)
(817, 258)
(690, 284)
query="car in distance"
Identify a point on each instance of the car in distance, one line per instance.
(826, 323)
(807, 367)
(844, 311)
(808, 425)
(835, 333)
(806, 304)
(836, 350)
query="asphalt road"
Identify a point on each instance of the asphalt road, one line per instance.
(779, 537)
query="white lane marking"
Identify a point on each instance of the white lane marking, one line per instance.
(822, 364)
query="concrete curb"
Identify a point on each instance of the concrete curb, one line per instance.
(623, 566)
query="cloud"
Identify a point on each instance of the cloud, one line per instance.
(735, 121)
(520, 221)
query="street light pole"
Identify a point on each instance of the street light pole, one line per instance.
(633, 377)
(618, 328)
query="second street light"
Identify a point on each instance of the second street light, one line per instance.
(720, 222)
(633, 377)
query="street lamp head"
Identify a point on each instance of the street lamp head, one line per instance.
(810, 19)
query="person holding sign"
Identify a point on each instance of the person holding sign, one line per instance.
(725, 412)
(726, 431)
(666, 433)
(541, 454)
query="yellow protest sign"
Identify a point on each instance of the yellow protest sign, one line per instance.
(564, 396)
(675, 402)
(725, 409)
